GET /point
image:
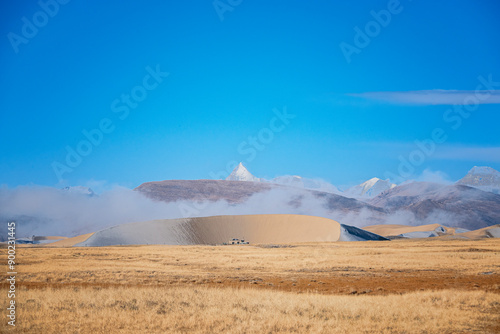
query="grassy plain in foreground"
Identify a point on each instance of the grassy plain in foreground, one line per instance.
(408, 286)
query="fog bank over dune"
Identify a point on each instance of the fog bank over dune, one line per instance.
(49, 211)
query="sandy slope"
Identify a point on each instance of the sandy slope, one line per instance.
(70, 241)
(487, 232)
(390, 230)
(255, 229)
(219, 229)
(435, 229)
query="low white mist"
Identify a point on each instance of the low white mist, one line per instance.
(50, 211)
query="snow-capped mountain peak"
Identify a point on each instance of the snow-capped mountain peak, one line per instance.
(370, 188)
(483, 170)
(370, 183)
(240, 173)
(484, 178)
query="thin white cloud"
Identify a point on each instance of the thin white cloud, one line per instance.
(459, 152)
(468, 153)
(435, 97)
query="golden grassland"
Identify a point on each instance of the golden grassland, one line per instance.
(227, 310)
(407, 286)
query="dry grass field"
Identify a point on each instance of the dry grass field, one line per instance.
(408, 286)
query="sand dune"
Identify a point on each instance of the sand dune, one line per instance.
(393, 230)
(433, 230)
(276, 228)
(487, 232)
(422, 231)
(219, 229)
(37, 240)
(258, 229)
(68, 242)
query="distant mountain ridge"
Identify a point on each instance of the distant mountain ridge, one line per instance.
(235, 192)
(483, 178)
(202, 190)
(363, 191)
(459, 205)
(414, 203)
(370, 202)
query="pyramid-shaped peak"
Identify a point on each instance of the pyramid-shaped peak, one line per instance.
(240, 173)
(240, 168)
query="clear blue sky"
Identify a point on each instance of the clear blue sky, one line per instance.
(225, 78)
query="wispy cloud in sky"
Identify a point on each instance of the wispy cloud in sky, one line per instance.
(468, 153)
(451, 152)
(435, 97)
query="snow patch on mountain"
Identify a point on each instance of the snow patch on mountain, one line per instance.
(369, 189)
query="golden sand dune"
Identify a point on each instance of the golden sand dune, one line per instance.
(68, 242)
(392, 230)
(219, 229)
(487, 232)
(433, 230)
(274, 228)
